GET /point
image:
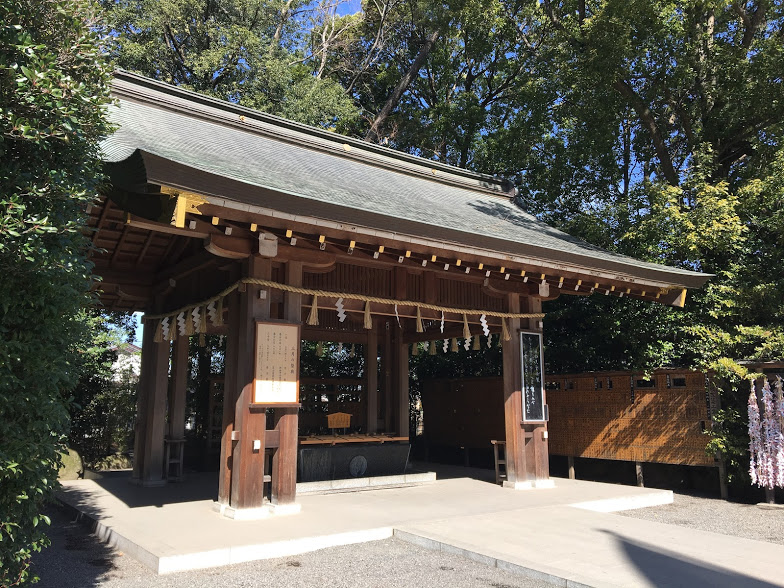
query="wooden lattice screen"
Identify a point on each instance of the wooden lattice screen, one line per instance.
(623, 416)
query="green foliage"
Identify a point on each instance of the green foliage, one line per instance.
(53, 87)
(103, 407)
(245, 51)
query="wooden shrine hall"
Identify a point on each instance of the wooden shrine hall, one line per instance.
(224, 220)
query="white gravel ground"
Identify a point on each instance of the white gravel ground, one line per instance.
(77, 560)
(762, 523)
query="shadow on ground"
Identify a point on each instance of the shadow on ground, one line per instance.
(667, 568)
(195, 487)
(75, 559)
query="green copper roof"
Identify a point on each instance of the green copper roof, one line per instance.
(312, 172)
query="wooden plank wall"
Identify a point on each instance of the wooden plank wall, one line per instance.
(618, 415)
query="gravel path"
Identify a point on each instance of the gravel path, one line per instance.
(712, 514)
(78, 560)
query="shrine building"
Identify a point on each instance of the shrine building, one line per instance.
(224, 220)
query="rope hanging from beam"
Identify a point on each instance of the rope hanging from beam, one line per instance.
(169, 333)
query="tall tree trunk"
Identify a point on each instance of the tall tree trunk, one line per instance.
(401, 87)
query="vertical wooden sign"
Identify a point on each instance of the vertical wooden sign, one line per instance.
(276, 370)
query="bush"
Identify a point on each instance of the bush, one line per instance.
(53, 89)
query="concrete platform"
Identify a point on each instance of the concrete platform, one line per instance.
(537, 532)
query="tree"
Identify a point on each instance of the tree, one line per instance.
(53, 90)
(245, 51)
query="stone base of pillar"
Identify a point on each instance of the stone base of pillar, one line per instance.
(254, 514)
(529, 484)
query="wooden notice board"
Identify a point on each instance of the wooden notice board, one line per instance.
(276, 370)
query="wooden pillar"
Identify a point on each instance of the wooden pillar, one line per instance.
(229, 401)
(400, 366)
(387, 361)
(371, 367)
(538, 461)
(250, 426)
(154, 415)
(403, 408)
(178, 388)
(145, 379)
(516, 473)
(284, 461)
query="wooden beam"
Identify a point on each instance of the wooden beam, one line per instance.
(229, 247)
(148, 225)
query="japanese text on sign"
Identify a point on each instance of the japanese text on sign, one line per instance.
(277, 363)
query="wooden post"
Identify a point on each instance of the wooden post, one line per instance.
(179, 388)
(229, 401)
(284, 461)
(247, 467)
(539, 462)
(145, 384)
(513, 401)
(154, 415)
(723, 492)
(387, 360)
(371, 367)
(401, 359)
(404, 406)
(570, 462)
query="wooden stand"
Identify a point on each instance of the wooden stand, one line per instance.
(500, 461)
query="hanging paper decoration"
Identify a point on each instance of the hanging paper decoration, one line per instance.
(544, 289)
(489, 341)
(340, 347)
(485, 328)
(475, 346)
(313, 316)
(755, 439)
(425, 345)
(419, 327)
(446, 345)
(504, 331)
(341, 310)
(181, 323)
(453, 346)
(397, 316)
(442, 322)
(319, 349)
(212, 312)
(415, 349)
(467, 344)
(368, 318)
(352, 353)
(766, 438)
(196, 318)
(432, 348)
